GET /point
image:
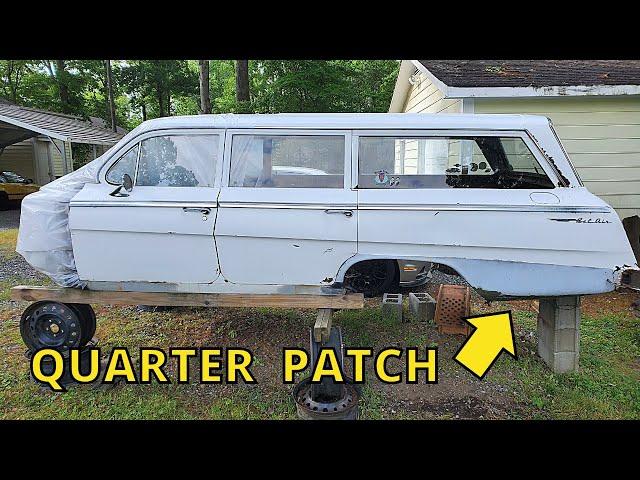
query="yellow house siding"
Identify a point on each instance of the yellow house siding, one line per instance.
(56, 156)
(19, 158)
(601, 136)
(425, 97)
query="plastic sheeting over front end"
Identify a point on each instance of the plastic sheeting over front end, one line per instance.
(44, 238)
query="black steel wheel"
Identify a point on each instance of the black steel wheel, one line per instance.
(372, 277)
(51, 325)
(87, 321)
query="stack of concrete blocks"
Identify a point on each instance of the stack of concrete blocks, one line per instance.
(392, 306)
(559, 333)
(422, 307)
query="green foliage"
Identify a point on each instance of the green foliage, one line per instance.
(145, 89)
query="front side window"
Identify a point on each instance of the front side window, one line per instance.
(287, 161)
(178, 161)
(126, 164)
(441, 162)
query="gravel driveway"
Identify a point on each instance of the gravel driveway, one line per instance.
(15, 267)
(9, 218)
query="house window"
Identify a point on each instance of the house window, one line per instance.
(178, 161)
(287, 161)
(448, 162)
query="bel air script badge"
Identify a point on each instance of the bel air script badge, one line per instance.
(581, 220)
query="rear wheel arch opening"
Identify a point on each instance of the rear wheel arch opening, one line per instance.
(372, 277)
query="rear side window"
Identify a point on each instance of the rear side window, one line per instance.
(178, 161)
(441, 162)
(287, 161)
(126, 164)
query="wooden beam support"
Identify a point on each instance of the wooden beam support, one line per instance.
(322, 327)
(74, 295)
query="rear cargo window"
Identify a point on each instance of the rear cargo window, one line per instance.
(454, 162)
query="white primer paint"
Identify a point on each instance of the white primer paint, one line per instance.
(507, 243)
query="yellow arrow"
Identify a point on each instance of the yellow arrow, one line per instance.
(493, 333)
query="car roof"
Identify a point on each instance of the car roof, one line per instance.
(349, 121)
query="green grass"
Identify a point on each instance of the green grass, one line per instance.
(8, 240)
(607, 385)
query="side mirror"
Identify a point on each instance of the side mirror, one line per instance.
(29, 181)
(127, 182)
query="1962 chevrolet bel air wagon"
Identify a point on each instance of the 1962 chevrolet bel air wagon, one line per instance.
(312, 202)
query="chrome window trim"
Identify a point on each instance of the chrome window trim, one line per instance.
(367, 206)
(135, 173)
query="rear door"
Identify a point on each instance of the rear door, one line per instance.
(287, 212)
(162, 231)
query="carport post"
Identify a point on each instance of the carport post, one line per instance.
(559, 333)
(50, 161)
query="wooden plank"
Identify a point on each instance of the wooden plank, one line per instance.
(73, 295)
(322, 327)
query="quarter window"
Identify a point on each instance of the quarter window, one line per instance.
(126, 164)
(454, 162)
(178, 161)
(287, 161)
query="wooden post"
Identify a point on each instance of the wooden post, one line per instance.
(322, 327)
(50, 161)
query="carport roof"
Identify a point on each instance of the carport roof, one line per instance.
(19, 123)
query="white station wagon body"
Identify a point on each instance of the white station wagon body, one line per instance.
(289, 202)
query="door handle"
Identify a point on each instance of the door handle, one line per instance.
(346, 213)
(202, 210)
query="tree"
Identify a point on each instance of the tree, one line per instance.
(63, 87)
(242, 83)
(205, 98)
(110, 96)
(12, 72)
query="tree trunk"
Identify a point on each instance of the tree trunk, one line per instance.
(242, 80)
(160, 97)
(110, 99)
(144, 112)
(63, 88)
(205, 97)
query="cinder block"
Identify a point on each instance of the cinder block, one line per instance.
(422, 307)
(559, 333)
(392, 306)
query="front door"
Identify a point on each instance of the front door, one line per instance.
(162, 231)
(287, 214)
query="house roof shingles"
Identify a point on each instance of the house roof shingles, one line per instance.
(63, 126)
(534, 73)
